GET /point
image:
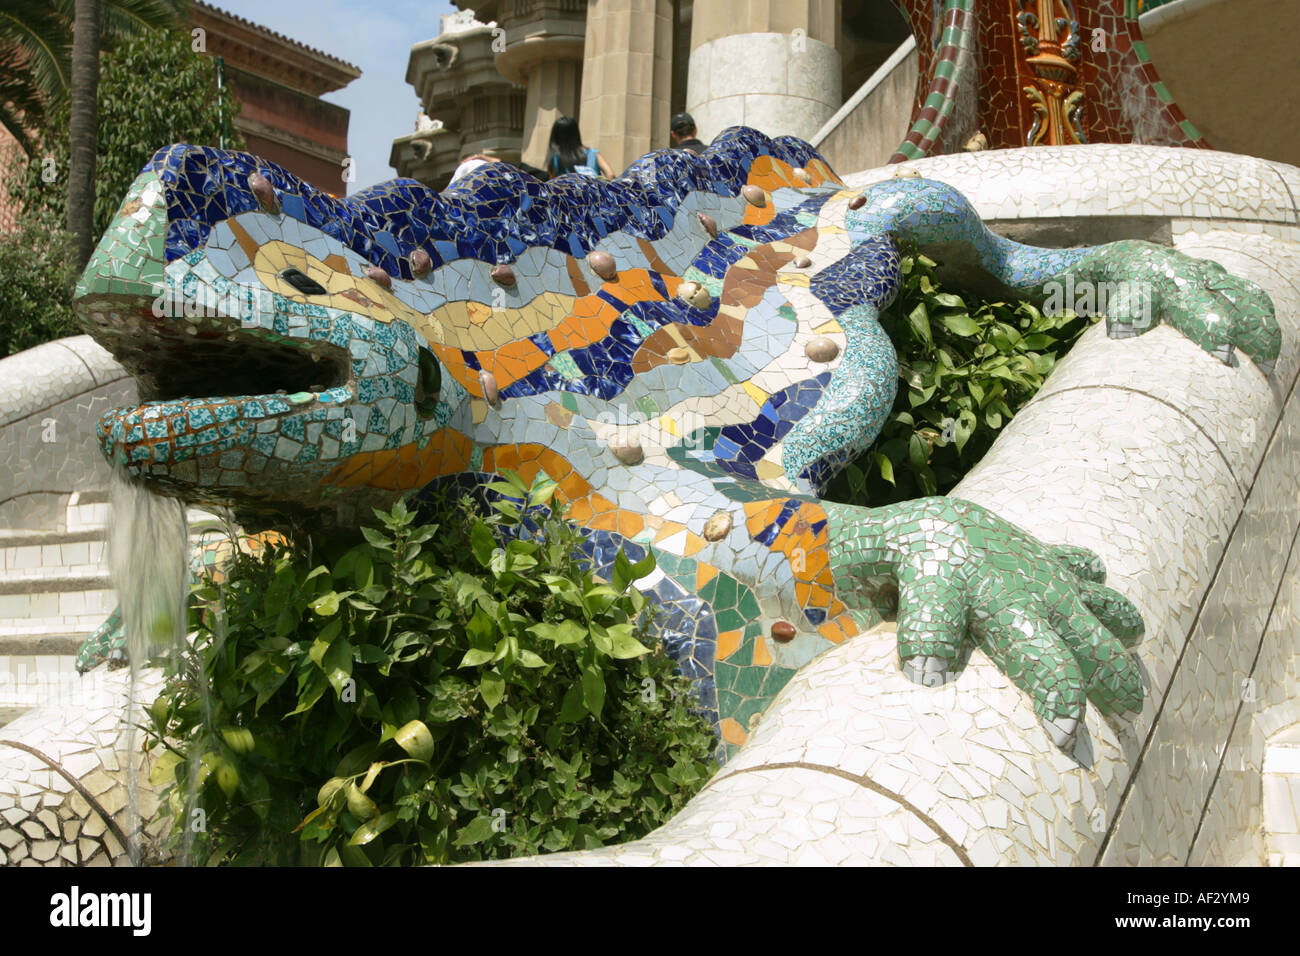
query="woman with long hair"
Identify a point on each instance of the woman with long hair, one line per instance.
(566, 154)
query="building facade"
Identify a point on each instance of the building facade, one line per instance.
(278, 83)
(846, 74)
(501, 71)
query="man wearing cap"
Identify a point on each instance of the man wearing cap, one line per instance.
(682, 131)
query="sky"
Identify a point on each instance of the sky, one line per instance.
(376, 38)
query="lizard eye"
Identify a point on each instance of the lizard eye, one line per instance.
(428, 385)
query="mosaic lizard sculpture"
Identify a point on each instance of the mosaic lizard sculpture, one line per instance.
(690, 351)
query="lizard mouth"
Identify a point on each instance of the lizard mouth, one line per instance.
(204, 387)
(208, 365)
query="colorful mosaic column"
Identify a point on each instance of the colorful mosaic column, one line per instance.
(1050, 73)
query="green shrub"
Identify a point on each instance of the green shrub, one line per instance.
(438, 693)
(35, 266)
(966, 367)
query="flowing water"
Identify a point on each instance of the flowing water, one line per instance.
(148, 558)
(1141, 107)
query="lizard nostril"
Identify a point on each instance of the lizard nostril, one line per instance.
(302, 282)
(427, 385)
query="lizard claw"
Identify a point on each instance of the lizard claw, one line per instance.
(1062, 730)
(928, 671)
(1225, 353)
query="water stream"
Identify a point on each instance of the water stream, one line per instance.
(148, 559)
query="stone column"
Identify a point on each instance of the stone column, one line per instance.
(543, 53)
(770, 64)
(627, 77)
(552, 92)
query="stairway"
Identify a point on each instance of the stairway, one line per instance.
(54, 592)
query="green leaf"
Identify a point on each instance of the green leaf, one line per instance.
(598, 597)
(919, 320)
(327, 605)
(961, 325)
(600, 639)
(625, 646)
(306, 701)
(239, 739)
(573, 707)
(227, 778)
(563, 634)
(372, 828)
(644, 566)
(965, 427)
(359, 805)
(353, 855)
(338, 664)
(324, 639)
(415, 739)
(886, 467)
(492, 687)
(332, 791)
(481, 629)
(622, 575)
(995, 391)
(163, 771)
(542, 491)
(948, 300)
(529, 659)
(916, 451)
(482, 543)
(478, 830)
(476, 656)
(593, 689)
(925, 476)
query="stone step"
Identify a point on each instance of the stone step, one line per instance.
(1281, 784)
(28, 680)
(55, 591)
(40, 609)
(58, 578)
(56, 642)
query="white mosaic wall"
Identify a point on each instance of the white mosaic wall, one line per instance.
(53, 398)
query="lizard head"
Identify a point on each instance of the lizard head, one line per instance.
(277, 372)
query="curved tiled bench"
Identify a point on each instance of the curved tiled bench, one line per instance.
(1179, 471)
(53, 396)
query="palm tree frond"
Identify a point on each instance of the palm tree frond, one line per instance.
(14, 122)
(38, 31)
(121, 19)
(21, 107)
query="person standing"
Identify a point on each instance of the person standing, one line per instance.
(682, 132)
(567, 154)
